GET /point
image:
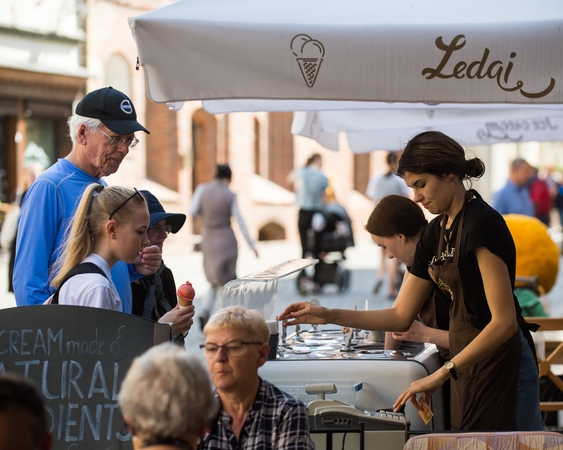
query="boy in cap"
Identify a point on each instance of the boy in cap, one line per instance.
(102, 132)
(154, 296)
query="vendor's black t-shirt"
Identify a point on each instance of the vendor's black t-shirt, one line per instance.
(482, 227)
(442, 304)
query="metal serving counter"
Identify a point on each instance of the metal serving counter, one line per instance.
(322, 356)
(367, 378)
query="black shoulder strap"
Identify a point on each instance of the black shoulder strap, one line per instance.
(86, 267)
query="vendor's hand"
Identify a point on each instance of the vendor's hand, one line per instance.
(304, 312)
(426, 385)
(148, 261)
(416, 333)
(180, 317)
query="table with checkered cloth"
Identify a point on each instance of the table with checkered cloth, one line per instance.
(514, 440)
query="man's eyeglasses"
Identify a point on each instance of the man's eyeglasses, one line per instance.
(233, 348)
(125, 202)
(158, 229)
(117, 141)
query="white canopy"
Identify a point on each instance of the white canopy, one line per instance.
(412, 51)
(369, 130)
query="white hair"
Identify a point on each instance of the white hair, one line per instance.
(167, 393)
(74, 123)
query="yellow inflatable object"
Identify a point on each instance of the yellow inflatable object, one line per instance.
(536, 253)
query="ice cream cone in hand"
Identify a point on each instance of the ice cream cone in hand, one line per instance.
(185, 294)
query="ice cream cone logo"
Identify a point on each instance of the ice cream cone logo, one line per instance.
(309, 54)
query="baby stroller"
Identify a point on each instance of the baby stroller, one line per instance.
(334, 229)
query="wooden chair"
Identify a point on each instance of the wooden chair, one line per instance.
(549, 346)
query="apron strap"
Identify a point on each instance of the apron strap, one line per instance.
(459, 226)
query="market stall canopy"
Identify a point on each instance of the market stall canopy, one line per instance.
(353, 50)
(369, 130)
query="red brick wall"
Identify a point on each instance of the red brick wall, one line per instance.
(163, 161)
(204, 144)
(280, 148)
(361, 172)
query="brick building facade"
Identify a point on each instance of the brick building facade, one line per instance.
(67, 48)
(42, 71)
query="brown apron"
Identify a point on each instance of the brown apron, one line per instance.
(428, 317)
(484, 396)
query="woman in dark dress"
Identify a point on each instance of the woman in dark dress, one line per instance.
(468, 253)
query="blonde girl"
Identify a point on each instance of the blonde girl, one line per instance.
(110, 224)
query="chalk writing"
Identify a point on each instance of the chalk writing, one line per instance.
(18, 342)
(67, 382)
(79, 357)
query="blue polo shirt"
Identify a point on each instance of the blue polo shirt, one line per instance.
(47, 209)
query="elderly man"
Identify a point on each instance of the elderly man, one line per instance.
(254, 413)
(166, 399)
(514, 197)
(23, 418)
(102, 132)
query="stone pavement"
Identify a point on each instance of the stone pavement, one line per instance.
(362, 261)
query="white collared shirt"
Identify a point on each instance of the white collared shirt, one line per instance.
(91, 289)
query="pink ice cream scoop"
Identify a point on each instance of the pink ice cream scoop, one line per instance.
(186, 294)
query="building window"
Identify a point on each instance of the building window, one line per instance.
(117, 74)
(361, 172)
(280, 148)
(204, 144)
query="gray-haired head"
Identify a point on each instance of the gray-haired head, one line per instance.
(167, 393)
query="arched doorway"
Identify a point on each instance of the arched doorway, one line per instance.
(117, 74)
(272, 231)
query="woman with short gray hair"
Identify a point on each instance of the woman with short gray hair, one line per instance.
(166, 399)
(240, 318)
(254, 413)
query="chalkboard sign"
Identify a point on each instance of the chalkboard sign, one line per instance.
(79, 357)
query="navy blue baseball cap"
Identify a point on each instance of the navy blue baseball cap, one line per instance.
(157, 213)
(113, 108)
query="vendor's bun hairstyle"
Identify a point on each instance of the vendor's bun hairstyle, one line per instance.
(396, 214)
(435, 153)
